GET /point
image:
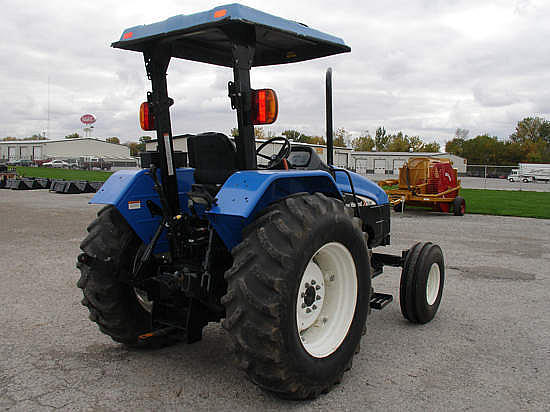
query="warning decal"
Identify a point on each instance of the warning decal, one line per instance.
(134, 204)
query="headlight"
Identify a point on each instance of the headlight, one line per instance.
(362, 200)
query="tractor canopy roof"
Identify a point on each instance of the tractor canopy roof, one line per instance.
(207, 37)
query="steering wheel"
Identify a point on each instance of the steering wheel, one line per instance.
(276, 159)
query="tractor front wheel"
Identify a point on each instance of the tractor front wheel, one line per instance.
(298, 295)
(422, 282)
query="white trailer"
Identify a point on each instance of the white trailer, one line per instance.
(530, 172)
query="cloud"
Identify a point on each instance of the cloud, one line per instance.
(424, 67)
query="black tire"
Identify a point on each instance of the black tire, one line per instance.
(108, 255)
(413, 294)
(459, 206)
(263, 287)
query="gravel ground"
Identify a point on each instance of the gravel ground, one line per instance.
(488, 347)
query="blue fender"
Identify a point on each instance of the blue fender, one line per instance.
(362, 186)
(239, 200)
(248, 192)
(129, 191)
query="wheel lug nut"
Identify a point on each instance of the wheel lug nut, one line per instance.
(331, 278)
(306, 285)
(312, 283)
(308, 310)
(303, 305)
(314, 307)
(302, 294)
(317, 287)
(318, 297)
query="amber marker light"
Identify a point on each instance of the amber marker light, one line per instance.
(146, 119)
(220, 13)
(265, 107)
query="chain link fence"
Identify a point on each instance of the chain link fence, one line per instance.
(489, 171)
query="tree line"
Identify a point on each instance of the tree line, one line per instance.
(382, 141)
(529, 143)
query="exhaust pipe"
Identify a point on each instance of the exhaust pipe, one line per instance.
(328, 98)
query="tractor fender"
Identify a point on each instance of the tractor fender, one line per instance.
(248, 192)
(361, 185)
(129, 191)
(238, 201)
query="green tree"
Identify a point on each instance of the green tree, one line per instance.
(533, 134)
(135, 148)
(36, 137)
(9, 139)
(292, 135)
(381, 139)
(398, 143)
(455, 146)
(416, 144)
(316, 140)
(483, 150)
(113, 139)
(430, 147)
(340, 137)
(72, 136)
(145, 139)
(363, 143)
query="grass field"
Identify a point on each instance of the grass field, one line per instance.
(507, 203)
(89, 175)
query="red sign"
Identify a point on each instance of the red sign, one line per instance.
(88, 119)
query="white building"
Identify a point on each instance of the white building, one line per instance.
(341, 154)
(66, 149)
(388, 163)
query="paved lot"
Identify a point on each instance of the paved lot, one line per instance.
(488, 348)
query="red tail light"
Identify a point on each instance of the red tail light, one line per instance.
(264, 106)
(146, 118)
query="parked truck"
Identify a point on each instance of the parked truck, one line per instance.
(530, 172)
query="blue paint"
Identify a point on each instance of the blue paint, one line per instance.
(245, 194)
(234, 12)
(362, 186)
(126, 187)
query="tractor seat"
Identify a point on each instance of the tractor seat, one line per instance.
(214, 158)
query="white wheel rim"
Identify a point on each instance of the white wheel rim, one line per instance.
(326, 300)
(432, 284)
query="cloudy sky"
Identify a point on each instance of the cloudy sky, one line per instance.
(425, 67)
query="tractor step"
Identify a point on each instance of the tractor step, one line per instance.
(379, 300)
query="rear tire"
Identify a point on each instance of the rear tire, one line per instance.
(108, 255)
(301, 252)
(459, 206)
(422, 281)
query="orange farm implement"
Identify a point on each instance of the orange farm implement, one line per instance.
(427, 182)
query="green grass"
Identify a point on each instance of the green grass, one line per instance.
(52, 173)
(507, 203)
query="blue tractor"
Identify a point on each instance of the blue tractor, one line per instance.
(280, 251)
